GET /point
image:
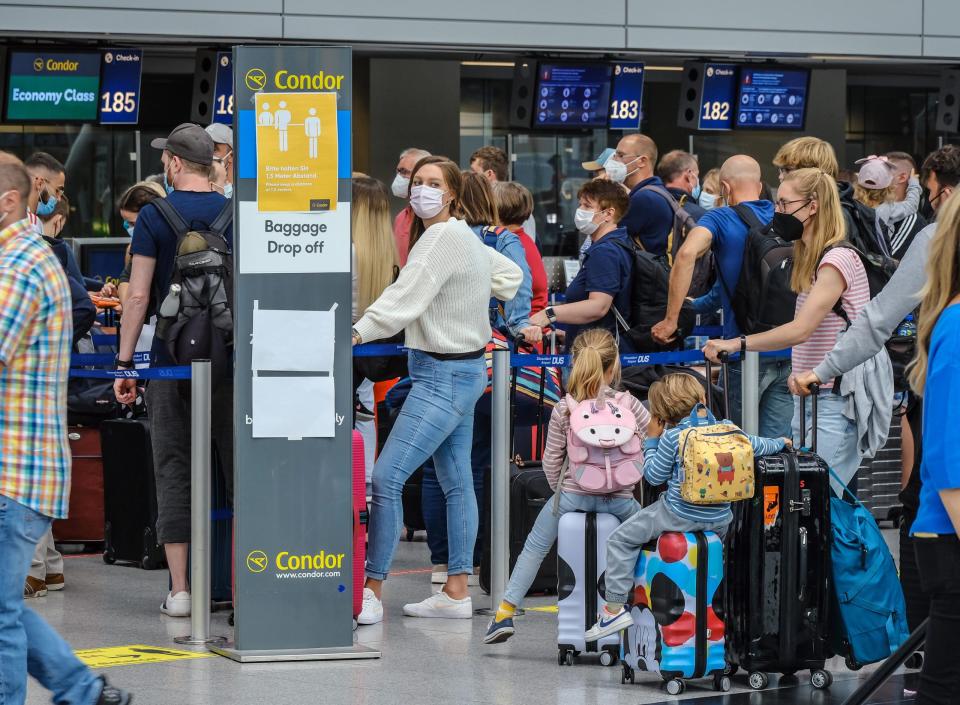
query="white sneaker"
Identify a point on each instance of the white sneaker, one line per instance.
(441, 606)
(372, 611)
(176, 605)
(438, 576)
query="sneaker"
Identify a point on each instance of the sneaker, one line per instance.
(372, 610)
(499, 632)
(609, 624)
(55, 581)
(441, 606)
(176, 605)
(439, 574)
(361, 412)
(113, 696)
(34, 588)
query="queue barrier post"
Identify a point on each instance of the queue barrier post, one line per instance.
(750, 378)
(200, 491)
(500, 478)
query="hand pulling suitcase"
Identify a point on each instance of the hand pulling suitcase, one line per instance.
(130, 495)
(678, 630)
(84, 522)
(778, 586)
(581, 564)
(529, 493)
(360, 517)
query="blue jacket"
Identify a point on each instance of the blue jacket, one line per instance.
(517, 309)
(84, 311)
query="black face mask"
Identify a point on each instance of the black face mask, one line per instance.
(787, 226)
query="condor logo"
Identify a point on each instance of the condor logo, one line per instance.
(322, 564)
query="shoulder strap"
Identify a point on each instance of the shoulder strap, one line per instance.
(223, 221)
(674, 204)
(172, 216)
(748, 217)
(838, 309)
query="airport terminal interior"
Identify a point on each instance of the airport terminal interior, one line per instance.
(553, 87)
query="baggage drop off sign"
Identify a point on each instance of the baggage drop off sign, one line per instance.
(134, 654)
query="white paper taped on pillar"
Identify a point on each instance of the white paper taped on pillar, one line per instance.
(293, 407)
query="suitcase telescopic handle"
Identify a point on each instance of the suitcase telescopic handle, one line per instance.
(815, 397)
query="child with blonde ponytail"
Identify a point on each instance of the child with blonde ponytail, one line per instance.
(594, 377)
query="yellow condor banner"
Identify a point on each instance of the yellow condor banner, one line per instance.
(296, 152)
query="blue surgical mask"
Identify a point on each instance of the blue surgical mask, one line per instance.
(697, 190)
(46, 207)
(228, 190)
(707, 200)
(128, 227)
(166, 183)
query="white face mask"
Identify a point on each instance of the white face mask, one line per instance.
(617, 170)
(707, 200)
(583, 219)
(426, 201)
(400, 185)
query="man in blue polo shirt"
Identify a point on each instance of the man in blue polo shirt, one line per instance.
(723, 230)
(649, 219)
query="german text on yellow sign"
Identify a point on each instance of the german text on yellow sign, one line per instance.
(133, 654)
(296, 152)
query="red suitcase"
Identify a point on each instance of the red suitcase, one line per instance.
(85, 514)
(360, 517)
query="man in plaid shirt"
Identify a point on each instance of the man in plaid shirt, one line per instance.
(35, 334)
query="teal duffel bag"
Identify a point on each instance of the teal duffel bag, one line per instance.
(871, 607)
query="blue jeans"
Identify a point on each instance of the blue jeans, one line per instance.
(435, 504)
(436, 420)
(544, 533)
(776, 402)
(836, 437)
(27, 643)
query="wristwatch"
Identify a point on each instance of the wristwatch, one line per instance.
(353, 332)
(550, 314)
(123, 364)
(743, 345)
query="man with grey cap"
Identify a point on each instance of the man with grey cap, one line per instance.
(222, 137)
(187, 155)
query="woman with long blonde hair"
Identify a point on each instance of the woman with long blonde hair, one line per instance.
(375, 259)
(832, 288)
(935, 375)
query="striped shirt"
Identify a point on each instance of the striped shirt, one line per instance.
(856, 295)
(661, 463)
(555, 451)
(35, 334)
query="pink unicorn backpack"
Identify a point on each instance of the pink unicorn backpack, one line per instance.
(603, 448)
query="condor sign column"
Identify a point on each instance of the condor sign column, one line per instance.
(293, 377)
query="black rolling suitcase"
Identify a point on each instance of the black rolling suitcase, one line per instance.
(777, 588)
(130, 494)
(529, 493)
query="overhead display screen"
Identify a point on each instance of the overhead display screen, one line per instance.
(573, 96)
(223, 89)
(717, 97)
(627, 98)
(53, 86)
(772, 99)
(120, 86)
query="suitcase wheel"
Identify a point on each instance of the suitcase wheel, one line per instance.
(915, 661)
(821, 679)
(758, 680)
(721, 683)
(607, 658)
(626, 674)
(852, 663)
(675, 686)
(565, 658)
(110, 556)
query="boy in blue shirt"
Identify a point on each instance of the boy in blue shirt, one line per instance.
(672, 399)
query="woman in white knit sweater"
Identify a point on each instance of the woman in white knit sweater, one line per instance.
(441, 301)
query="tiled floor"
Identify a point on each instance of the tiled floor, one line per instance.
(428, 662)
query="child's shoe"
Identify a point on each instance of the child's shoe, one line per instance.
(609, 624)
(499, 632)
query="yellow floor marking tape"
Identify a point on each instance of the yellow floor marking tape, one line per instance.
(552, 609)
(134, 654)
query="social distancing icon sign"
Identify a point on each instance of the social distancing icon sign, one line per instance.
(134, 654)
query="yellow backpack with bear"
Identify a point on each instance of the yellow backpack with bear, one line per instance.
(716, 461)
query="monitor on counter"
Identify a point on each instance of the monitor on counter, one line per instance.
(573, 96)
(772, 98)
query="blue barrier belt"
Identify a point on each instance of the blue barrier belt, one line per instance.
(154, 373)
(96, 359)
(379, 350)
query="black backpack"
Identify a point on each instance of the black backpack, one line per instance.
(202, 328)
(762, 298)
(683, 223)
(649, 287)
(862, 232)
(879, 269)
